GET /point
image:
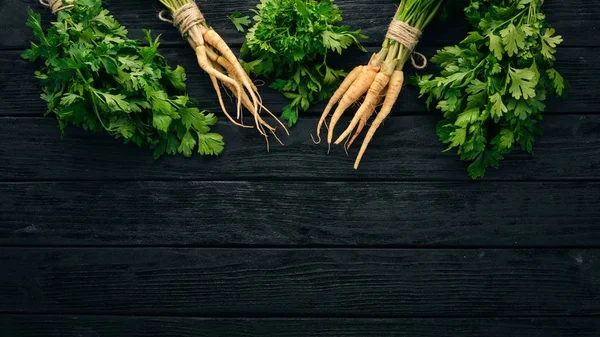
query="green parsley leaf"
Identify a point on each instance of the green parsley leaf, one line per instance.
(506, 138)
(210, 143)
(113, 102)
(496, 46)
(188, 143)
(177, 78)
(161, 121)
(498, 108)
(69, 98)
(239, 21)
(520, 108)
(557, 80)
(458, 137)
(522, 83)
(290, 114)
(549, 43)
(513, 39)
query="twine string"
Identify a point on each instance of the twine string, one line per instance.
(184, 18)
(408, 36)
(415, 64)
(404, 34)
(56, 5)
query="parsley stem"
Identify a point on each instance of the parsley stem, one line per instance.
(95, 106)
(393, 53)
(505, 22)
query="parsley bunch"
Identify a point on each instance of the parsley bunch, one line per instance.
(96, 78)
(291, 40)
(492, 86)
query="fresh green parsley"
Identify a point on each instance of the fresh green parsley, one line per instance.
(291, 40)
(239, 21)
(94, 77)
(492, 86)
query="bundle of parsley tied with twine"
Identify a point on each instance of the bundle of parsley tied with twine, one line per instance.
(219, 62)
(382, 78)
(93, 76)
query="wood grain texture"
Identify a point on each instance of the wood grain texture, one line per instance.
(114, 326)
(301, 214)
(335, 282)
(570, 18)
(21, 91)
(405, 148)
(98, 239)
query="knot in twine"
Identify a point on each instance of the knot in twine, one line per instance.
(184, 18)
(407, 36)
(56, 5)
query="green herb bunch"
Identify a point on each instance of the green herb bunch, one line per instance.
(291, 40)
(96, 78)
(492, 86)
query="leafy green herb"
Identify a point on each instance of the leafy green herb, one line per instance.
(492, 86)
(96, 78)
(291, 40)
(239, 21)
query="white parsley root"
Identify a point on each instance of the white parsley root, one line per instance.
(220, 63)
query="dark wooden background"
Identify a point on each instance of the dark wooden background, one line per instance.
(98, 239)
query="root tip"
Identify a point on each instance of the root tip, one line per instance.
(357, 162)
(314, 141)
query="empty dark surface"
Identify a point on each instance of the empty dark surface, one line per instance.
(98, 239)
(117, 326)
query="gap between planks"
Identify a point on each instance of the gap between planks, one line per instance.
(276, 316)
(300, 247)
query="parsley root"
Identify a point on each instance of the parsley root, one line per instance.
(371, 100)
(208, 68)
(384, 70)
(356, 90)
(348, 81)
(396, 82)
(215, 84)
(363, 122)
(212, 50)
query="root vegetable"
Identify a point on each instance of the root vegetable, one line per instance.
(384, 69)
(356, 90)
(396, 81)
(212, 50)
(348, 81)
(371, 100)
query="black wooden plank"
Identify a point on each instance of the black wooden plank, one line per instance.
(335, 282)
(405, 148)
(116, 326)
(21, 91)
(570, 18)
(301, 214)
